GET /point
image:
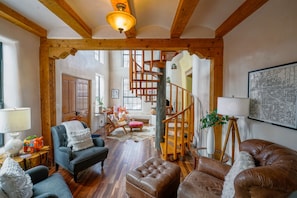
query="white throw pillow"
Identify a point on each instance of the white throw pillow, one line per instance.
(2, 194)
(243, 162)
(81, 139)
(14, 181)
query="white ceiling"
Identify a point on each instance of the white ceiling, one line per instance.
(154, 17)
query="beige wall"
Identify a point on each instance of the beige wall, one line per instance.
(21, 72)
(267, 38)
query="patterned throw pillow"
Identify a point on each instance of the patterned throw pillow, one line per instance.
(14, 181)
(81, 139)
(243, 162)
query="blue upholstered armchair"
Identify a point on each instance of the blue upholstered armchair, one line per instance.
(76, 161)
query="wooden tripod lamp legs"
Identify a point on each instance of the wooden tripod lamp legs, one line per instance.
(232, 127)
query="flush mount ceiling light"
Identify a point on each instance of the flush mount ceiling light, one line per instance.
(120, 20)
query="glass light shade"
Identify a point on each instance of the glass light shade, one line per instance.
(233, 106)
(121, 21)
(13, 121)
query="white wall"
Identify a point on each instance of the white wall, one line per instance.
(21, 72)
(267, 38)
(82, 65)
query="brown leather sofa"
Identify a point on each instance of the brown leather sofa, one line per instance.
(275, 174)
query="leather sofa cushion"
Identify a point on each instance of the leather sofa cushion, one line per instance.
(202, 184)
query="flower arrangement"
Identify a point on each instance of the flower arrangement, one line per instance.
(213, 119)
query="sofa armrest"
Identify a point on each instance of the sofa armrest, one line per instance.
(213, 167)
(99, 142)
(65, 152)
(38, 173)
(47, 195)
(264, 181)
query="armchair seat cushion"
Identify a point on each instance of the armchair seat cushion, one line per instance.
(87, 157)
(53, 186)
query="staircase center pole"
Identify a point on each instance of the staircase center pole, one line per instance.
(161, 109)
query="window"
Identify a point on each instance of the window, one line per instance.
(99, 92)
(1, 90)
(126, 59)
(131, 102)
(99, 56)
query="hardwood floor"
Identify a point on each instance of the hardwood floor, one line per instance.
(109, 182)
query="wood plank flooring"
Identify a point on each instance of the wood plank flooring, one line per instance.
(109, 182)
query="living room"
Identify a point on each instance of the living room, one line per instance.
(266, 38)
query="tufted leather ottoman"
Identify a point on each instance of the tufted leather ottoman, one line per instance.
(155, 178)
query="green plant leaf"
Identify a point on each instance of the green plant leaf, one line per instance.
(213, 119)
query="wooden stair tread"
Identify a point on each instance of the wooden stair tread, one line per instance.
(145, 88)
(156, 63)
(146, 94)
(170, 150)
(147, 72)
(138, 80)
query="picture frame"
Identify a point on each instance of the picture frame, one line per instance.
(115, 93)
(272, 92)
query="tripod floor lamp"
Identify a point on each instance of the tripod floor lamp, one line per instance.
(232, 107)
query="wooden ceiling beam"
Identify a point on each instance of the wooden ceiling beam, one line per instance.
(69, 16)
(183, 14)
(132, 32)
(244, 11)
(21, 21)
(135, 44)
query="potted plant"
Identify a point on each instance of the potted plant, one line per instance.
(209, 121)
(100, 102)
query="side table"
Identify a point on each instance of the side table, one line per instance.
(18, 159)
(202, 151)
(30, 160)
(37, 158)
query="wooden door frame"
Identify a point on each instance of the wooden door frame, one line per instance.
(51, 49)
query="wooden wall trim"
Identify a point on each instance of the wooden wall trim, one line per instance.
(52, 49)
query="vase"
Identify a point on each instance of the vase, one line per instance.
(210, 142)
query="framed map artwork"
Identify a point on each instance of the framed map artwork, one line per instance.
(273, 95)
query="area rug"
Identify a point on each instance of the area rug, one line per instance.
(136, 135)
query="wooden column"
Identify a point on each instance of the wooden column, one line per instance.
(216, 90)
(161, 109)
(45, 91)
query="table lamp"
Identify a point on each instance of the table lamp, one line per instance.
(232, 107)
(14, 121)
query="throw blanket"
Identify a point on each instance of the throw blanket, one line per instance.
(73, 125)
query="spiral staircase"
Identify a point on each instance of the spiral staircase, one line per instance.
(179, 123)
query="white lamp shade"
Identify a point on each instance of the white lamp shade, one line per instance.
(233, 106)
(15, 120)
